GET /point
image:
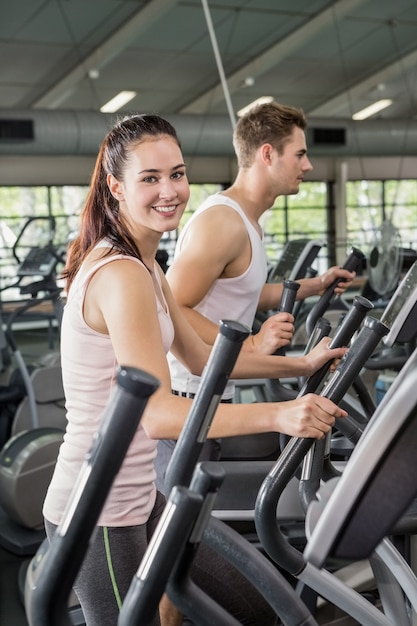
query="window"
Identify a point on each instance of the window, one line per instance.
(20, 228)
(302, 215)
(299, 216)
(369, 203)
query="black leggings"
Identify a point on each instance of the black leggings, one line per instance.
(114, 557)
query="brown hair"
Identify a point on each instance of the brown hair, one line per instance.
(100, 216)
(265, 123)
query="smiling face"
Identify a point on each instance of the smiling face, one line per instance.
(155, 190)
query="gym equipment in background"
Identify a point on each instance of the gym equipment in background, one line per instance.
(353, 514)
(385, 259)
(295, 260)
(354, 260)
(160, 566)
(401, 315)
(34, 430)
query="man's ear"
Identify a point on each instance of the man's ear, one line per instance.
(266, 153)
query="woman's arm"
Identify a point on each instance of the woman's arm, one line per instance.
(123, 295)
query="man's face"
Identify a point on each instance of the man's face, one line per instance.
(291, 166)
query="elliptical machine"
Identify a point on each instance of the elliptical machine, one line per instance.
(32, 433)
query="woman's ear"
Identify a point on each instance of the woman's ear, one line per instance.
(115, 187)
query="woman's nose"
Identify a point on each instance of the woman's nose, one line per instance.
(168, 189)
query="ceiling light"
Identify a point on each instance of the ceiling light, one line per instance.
(261, 100)
(94, 73)
(372, 109)
(248, 82)
(118, 101)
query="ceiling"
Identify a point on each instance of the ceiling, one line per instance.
(198, 62)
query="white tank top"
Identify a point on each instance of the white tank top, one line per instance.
(229, 298)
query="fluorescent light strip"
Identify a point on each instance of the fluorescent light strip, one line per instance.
(372, 109)
(261, 100)
(118, 101)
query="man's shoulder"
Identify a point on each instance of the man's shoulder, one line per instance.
(219, 217)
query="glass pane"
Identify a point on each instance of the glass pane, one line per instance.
(401, 208)
(364, 193)
(302, 215)
(198, 193)
(400, 193)
(66, 205)
(275, 231)
(310, 195)
(364, 211)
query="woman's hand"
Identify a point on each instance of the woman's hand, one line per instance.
(310, 416)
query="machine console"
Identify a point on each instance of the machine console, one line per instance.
(401, 312)
(295, 260)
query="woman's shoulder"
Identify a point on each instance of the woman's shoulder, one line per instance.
(104, 259)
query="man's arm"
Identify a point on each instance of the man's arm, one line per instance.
(272, 292)
(211, 250)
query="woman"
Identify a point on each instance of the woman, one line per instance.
(120, 310)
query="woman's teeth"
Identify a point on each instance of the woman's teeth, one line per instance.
(164, 209)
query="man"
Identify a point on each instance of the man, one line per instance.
(220, 265)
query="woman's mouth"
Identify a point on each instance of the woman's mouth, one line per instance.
(165, 209)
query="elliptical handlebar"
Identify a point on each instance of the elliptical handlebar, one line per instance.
(219, 366)
(342, 337)
(289, 295)
(354, 259)
(292, 456)
(277, 390)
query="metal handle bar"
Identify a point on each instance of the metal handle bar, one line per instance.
(222, 359)
(354, 259)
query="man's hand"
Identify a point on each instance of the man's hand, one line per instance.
(322, 354)
(276, 332)
(336, 273)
